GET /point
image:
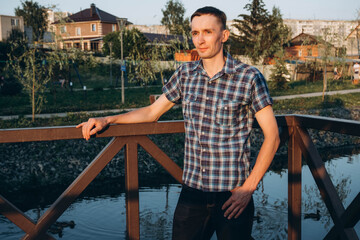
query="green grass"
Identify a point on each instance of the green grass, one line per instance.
(333, 101)
(66, 101)
(300, 87)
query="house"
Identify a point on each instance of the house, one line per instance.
(305, 46)
(86, 29)
(7, 23)
(353, 43)
(187, 56)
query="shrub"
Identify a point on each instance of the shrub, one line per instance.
(11, 87)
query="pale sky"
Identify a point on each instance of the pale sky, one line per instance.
(148, 12)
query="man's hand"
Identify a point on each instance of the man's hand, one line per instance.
(238, 201)
(92, 126)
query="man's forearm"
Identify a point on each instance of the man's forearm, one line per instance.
(263, 161)
(135, 116)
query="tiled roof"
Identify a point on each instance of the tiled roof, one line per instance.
(93, 14)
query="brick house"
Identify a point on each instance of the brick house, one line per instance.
(86, 29)
(187, 56)
(305, 45)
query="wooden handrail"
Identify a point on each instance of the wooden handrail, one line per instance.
(293, 129)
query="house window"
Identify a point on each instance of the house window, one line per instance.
(78, 31)
(93, 27)
(300, 53)
(63, 29)
(113, 27)
(14, 22)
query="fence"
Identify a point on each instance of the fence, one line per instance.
(293, 129)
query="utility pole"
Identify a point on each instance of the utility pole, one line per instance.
(122, 22)
(111, 78)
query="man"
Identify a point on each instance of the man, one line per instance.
(356, 69)
(220, 98)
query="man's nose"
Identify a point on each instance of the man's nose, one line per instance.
(201, 38)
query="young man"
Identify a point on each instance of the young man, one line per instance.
(356, 69)
(220, 99)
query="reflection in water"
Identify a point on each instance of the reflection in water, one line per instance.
(103, 217)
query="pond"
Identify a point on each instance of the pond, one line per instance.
(103, 216)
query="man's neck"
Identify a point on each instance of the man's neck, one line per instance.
(214, 65)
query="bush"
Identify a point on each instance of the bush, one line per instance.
(280, 75)
(10, 87)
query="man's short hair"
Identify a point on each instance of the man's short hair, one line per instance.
(220, 15)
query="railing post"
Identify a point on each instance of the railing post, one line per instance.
(132, 191)
(294, 186)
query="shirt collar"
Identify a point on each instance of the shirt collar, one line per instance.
(229, 67)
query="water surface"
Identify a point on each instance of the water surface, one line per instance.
(103, 217)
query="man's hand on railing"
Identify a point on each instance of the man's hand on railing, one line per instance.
(92, 126)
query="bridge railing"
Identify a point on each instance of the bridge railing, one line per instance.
(293, 129)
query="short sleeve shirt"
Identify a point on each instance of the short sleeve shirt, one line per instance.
(218, 114)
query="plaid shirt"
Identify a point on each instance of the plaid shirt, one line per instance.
(218, 115)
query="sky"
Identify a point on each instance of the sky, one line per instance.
(148, 12)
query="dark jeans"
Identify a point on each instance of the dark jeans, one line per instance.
(198, 214)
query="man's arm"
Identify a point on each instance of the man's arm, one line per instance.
(242, 195)
(150, 113)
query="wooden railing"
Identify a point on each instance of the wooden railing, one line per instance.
(293, 128)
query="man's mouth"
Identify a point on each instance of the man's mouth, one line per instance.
(202, 49)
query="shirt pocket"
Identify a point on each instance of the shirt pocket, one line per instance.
(190, 105)
(228, 112)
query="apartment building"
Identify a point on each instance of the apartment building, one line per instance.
(7, 23)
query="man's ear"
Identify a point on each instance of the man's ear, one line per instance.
(226, 34)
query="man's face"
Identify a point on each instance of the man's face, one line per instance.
(208, 36)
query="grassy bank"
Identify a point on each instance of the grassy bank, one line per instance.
(64, 100)
(347, 101)
(299, 87)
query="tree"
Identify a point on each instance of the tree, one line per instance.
(35, 16)
(134, 43)
(173, 18)
(261, 34)
(280, 74)
(35, 69)
(16, 44)
(32, 73)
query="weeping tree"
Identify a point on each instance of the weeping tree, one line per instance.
(144, 58)
(34, 69)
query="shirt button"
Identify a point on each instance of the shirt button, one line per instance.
(226, 108)
(203, 170)
(203, 133)
(207, 98)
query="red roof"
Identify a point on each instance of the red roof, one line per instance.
(93, 14)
